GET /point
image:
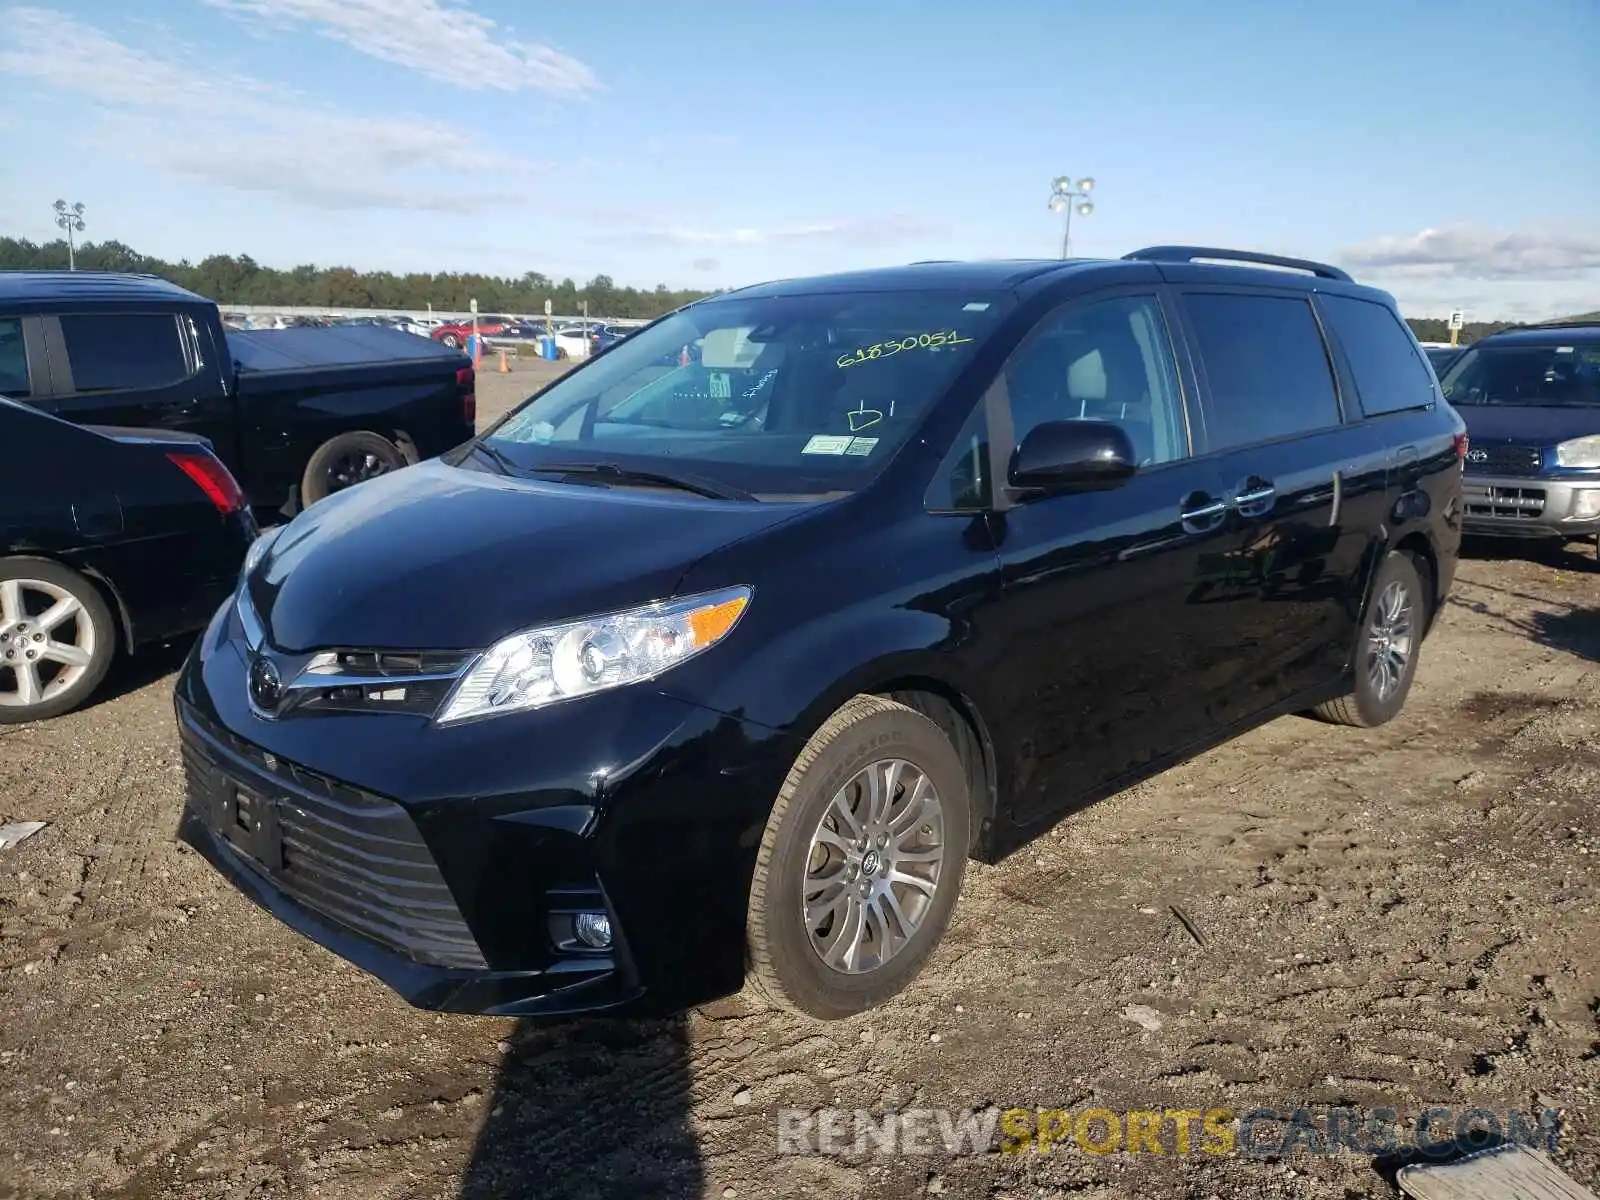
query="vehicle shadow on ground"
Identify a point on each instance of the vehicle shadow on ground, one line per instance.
(589, 1110)
(1575, 630)
(131, 672)
(1563, 556)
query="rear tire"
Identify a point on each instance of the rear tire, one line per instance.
(849, 898)
(1386, 648)
(57, 639)
(346, 460)
(450, 340)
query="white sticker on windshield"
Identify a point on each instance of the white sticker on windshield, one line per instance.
(861, 447)
(975, 306)
(830, 443)
(1565, 349)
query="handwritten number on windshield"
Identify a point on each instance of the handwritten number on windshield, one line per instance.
(917, 341)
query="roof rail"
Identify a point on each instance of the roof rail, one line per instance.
(1190, 253)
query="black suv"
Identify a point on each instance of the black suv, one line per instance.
(691, 670)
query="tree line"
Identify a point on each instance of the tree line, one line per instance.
(230, 279)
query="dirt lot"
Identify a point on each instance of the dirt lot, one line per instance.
(1396, 918)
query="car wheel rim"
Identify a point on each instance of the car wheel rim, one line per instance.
(353, 469)
(1389, 640)
(873, 866)
(47, 641)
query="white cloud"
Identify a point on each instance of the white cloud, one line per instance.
(706, 264)
(853, 231)
(236, 131)
(1466, 252)
(436, 38)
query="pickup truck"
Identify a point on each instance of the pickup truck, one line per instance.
(296, 414)
(1531, 401)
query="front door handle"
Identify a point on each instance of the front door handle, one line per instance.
(1254, 497)
(1201, 513)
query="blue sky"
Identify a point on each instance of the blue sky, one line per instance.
(1441, 150)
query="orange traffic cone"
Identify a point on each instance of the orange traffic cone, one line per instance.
(505, 366)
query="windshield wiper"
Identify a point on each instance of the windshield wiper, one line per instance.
(616, 473)
(507, 467)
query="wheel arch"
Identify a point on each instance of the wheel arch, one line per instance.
(97, 578)
(920, 683)
(1416, 546)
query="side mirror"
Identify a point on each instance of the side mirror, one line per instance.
(1073, 456)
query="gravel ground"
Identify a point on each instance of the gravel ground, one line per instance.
(1397, 917)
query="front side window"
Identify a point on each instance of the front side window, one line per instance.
(796, 394)
(1389, 373)
(119, 351)
(13, 359)
(1266, 365)
(1554, 376)
(1109, 360)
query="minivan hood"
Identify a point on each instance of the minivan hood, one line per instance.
(1528, 424)
(437, 557)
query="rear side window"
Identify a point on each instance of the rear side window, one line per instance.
(1389, 373)
(118, 351)
(1266, 365)
(13, 359)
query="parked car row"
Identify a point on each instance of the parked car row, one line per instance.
(899, 567)
(99, 368)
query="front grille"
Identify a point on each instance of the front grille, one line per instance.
(1504, 460)
(346, 854)
(1504, 503)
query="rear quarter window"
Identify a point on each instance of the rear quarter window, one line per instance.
(1390, 375)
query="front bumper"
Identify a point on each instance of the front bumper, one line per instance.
(441, 860)
(1529, 506)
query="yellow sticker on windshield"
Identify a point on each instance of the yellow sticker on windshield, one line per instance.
(916, 341)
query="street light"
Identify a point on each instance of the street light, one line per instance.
(70, 219)
(1062, 196)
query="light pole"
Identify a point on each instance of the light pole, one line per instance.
(70, 219)
(1062, 195)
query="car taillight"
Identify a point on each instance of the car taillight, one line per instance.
(212, 478)
(467, 384)
(1461, 446)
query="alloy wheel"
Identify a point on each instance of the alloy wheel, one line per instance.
(873, 867)
(1390, 637)
(47, 641)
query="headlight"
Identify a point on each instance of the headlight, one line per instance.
(540, 667)
(258, 550)
(1579, 452)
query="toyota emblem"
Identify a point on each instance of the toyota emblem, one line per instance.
(1477, 456)
(266, 685)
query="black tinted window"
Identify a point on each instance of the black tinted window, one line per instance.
(13, 359)
(1267, 367)
(112, 351)
(1389, 372)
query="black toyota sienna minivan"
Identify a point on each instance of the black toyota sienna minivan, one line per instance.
(717, 658)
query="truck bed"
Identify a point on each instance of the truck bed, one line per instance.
(264, 350)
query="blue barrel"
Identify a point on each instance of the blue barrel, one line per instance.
(547, 347)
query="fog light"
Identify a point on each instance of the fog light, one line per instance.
(1586, 503)
(593, 929)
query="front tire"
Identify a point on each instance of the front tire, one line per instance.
(1386, 649)
(57, 639)
(860, 863)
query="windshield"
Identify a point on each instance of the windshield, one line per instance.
(781, 395)
(1547, 376)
